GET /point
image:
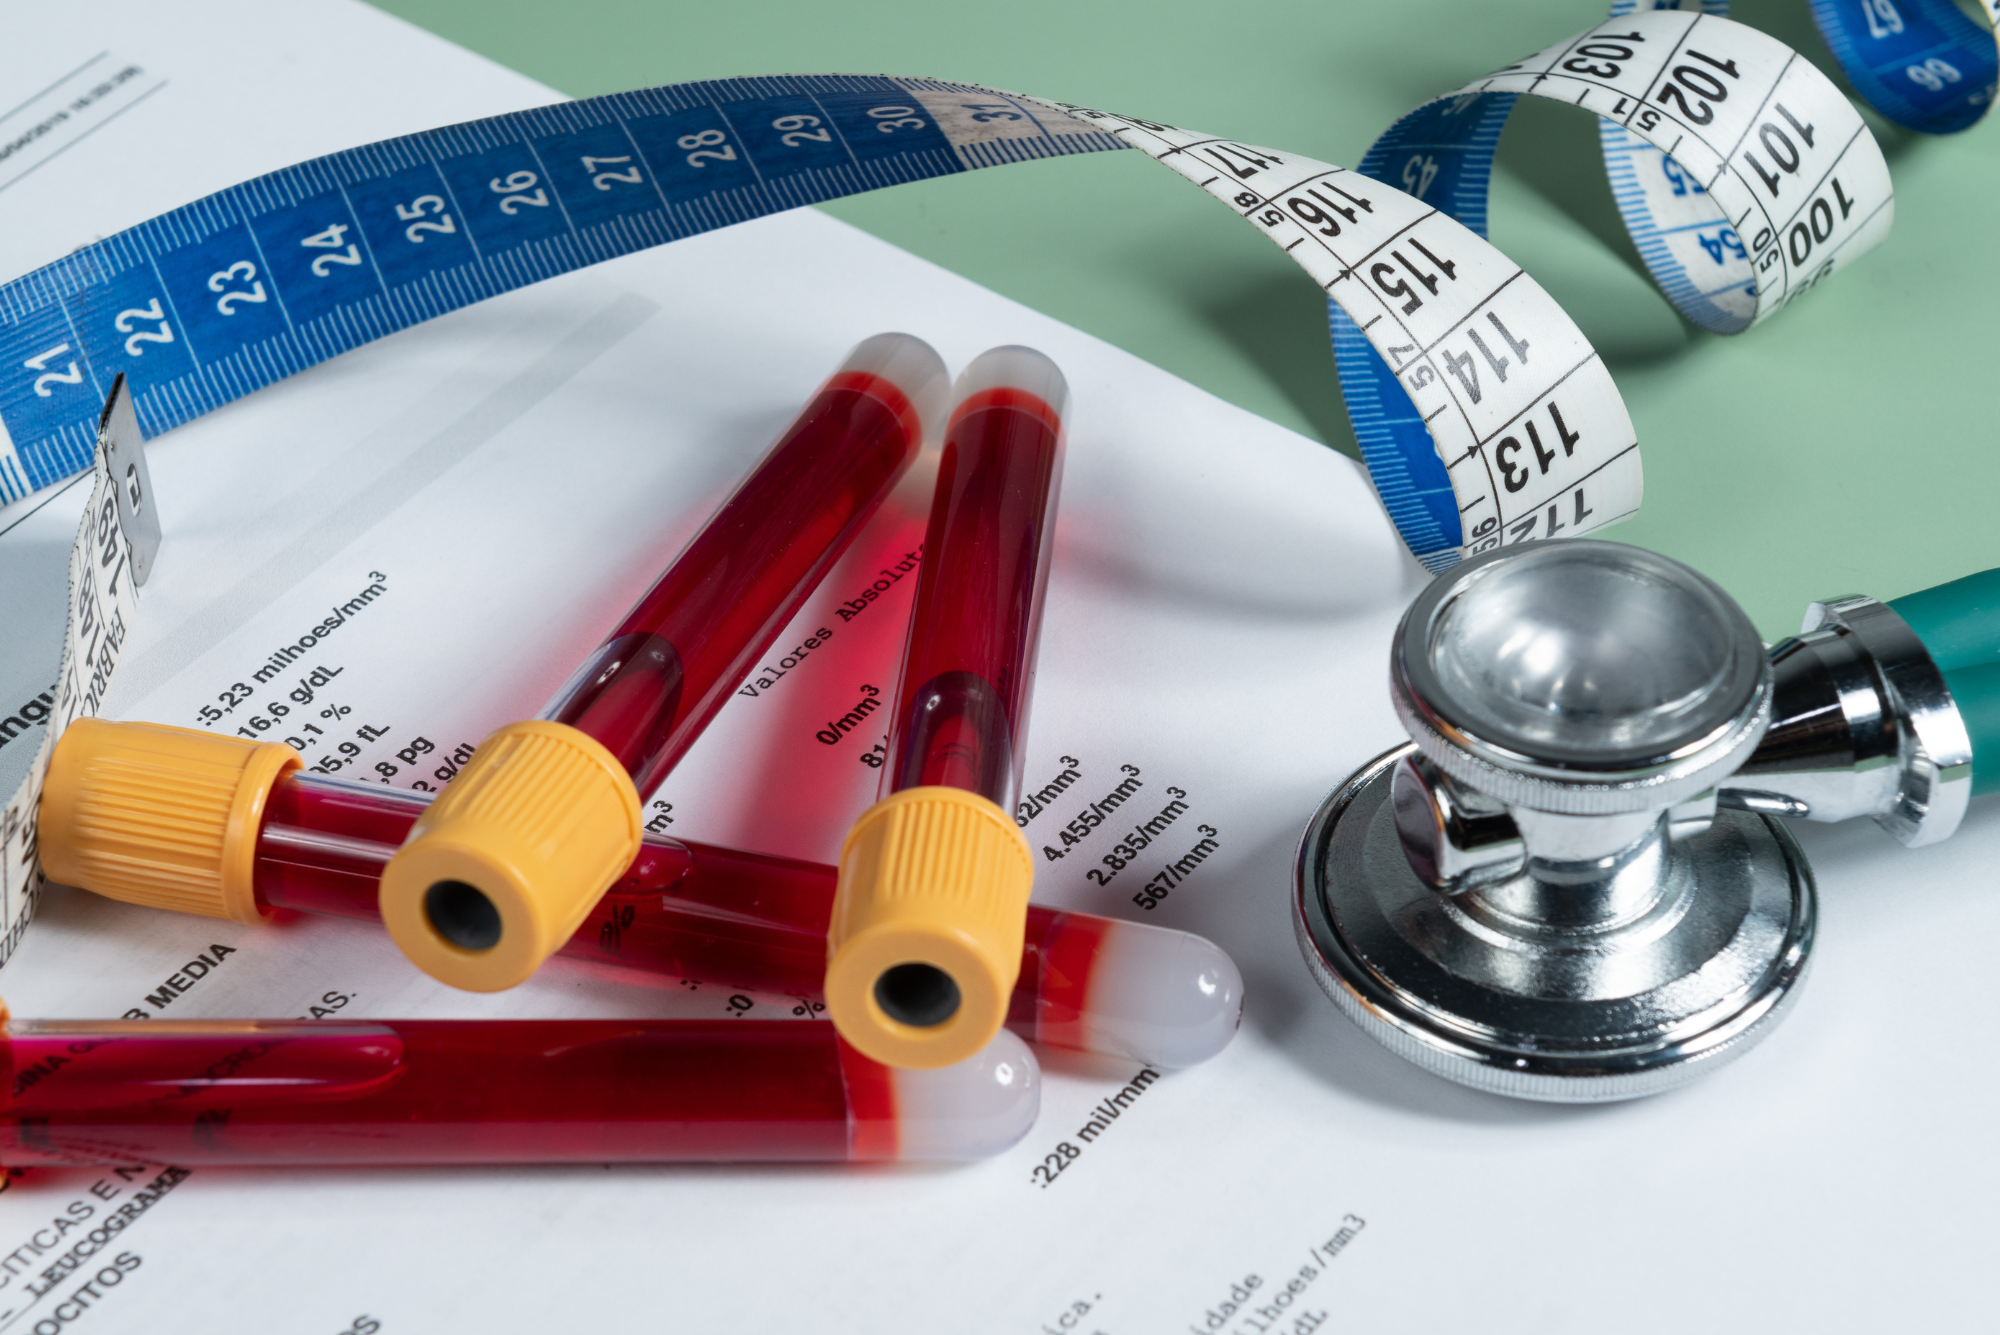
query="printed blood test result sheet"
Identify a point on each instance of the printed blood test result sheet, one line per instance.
(390, 554)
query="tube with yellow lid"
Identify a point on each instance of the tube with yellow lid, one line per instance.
(322, 1092)
(181, 819)
(925, 941)
(504, 866)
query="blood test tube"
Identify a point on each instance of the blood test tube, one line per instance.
(925, 941)
(279, 838)
(501, 869)
(490, 1092)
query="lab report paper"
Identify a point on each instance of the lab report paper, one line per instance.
(416, 542)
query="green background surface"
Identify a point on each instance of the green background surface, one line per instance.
(1846, 446)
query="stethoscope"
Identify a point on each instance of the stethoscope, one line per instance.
(1575, 883)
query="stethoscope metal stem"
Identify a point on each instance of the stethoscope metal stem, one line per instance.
(1863, 725)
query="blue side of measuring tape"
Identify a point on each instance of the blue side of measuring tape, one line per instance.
(1922, 63)
(205, 304)
(216, 299)
(1625, 155)
(1442, 153)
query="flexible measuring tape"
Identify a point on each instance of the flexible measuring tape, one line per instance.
(1743, 175)
(1497, 423)
(213, 300)
(261, 280)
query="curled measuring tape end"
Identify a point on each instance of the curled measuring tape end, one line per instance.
(1745, 179)
(1743, 174)
(256, 282)
(1460, 451)
(1925, 64)
(124, 450)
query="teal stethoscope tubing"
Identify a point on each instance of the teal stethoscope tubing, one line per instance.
(1959, 623)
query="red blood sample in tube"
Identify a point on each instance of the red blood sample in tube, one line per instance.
(477, 900)
(962, 705)
(491, 1092)
(648, 691)
(689, 910)
(924, 941)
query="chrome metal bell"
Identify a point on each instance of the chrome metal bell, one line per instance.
(1539, 895)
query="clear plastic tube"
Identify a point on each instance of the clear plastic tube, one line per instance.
(750, 920)
(925, 942)
(509, 860)
(181, 819)
(662, 673)
(491, 1092)
(1166, 998)
(962, 706)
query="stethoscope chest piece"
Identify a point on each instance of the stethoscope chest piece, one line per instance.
(1538, 895)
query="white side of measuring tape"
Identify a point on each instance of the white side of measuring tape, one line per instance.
(1769, 182)
(1744, 175)
(1518, 405)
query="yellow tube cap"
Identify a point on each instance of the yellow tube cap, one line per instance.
(161, 816)
(925, 943)
(510, 859)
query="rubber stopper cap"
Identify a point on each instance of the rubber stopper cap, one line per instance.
(925, 943)
(156, 815)
(510, 859)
